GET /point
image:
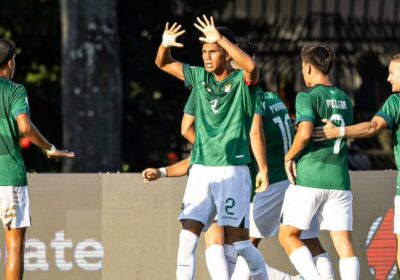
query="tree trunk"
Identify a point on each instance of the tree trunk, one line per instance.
(91, 85)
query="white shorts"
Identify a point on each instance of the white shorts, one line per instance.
(221, 190)
(332, 207)
(14, 206)
(265, 211)
(396, 219)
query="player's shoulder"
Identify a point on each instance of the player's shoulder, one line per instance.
(10, 85)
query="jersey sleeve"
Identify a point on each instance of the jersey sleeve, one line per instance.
(304, 108)
(190, 104)
(260, 107)
(390, 110)
(191, 74)
(19, 102)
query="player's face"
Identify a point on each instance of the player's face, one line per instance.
(394, 75)
(214, 57)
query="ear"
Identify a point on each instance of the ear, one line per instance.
(227, 56)
(309, 69)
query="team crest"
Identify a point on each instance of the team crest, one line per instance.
(227, 88)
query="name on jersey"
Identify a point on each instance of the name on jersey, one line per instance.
(336, 104)
(277, 107)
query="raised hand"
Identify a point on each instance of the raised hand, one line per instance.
(170, 35)
(207, 27)
(328, 132)
(151, 174)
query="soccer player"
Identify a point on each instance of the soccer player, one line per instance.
(320, 184)
(219, 180)
(271, 137)
(14, 196)
(387, 117)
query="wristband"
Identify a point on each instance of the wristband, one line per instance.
(342, 131)
(52, 150)
(167, 40)
(163, 172)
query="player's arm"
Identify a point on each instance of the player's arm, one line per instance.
(212, 35)
(258, 145)
(176, 170)
(301, 139)
(187, 127)
(29, 130)
(164, 59)
(362, 130)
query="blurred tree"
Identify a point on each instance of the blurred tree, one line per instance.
(91, 85)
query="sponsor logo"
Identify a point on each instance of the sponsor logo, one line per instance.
(381, 247)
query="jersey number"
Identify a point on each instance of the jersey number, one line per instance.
(213, 104)
(284, 126)
(229, 204)
(338, 120)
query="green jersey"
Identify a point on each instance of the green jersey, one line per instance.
(278, 130)
(223, 111)
(190, 106)
(390, 112)
(13, 102)
(324, 165)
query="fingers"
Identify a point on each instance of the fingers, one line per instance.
(180, 32)
(206, 20)
(294, 168)
(202, 24)
(212, 21)
(179, 45)
(198, 27)
(324, 121)
(166, 26)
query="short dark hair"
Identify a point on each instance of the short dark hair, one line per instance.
(396, 58)
(227, 33)
(246, 45)
(7, 51)
(320, 55)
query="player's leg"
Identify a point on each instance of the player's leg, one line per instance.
(232, 199)
(215, 253)
(15, 240)
(321, 258)
(195, 213)
(15, 214)
(337, 217)
(296, 216)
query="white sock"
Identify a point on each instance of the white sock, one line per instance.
(242, 271)
(302, 260)
(216, 262)
(275, 274)
(324, 266)
(186, 261)
(231, 257)
(349, 268)
(254, 260)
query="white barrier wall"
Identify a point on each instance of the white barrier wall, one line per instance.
(112, 226)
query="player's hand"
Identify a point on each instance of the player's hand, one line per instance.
(207, 27)
(261, 182)
(151, 174)
(170, 35)
(328, 132)
(290, 168)
(60, 153)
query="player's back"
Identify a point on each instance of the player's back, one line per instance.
(278, 130)
(324, 164)
(13, 101)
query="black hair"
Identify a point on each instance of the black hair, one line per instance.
(7, 51)
(320, 55)
(246, 46)
(227, 33)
